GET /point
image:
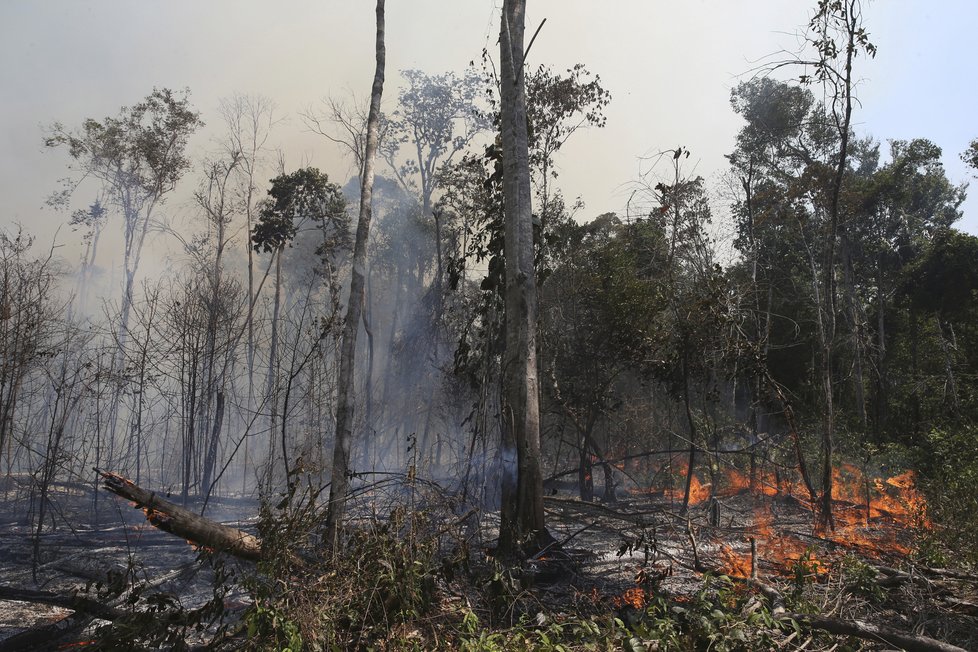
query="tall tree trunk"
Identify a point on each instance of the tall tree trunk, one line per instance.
(854, 311)
(585, 470)
(522, 520)
(345, 392)
(916, 414)
(271, 393)
(210, 459)
(369, 388)
(945, 333)
(133, 250)
(212, 389)
(881, 388)
(691, 424)
(850, 17)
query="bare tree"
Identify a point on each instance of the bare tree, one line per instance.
(138, 157)
(217, 205)
(839, 35)
(27, 317)
(249, 120)
(344, 124)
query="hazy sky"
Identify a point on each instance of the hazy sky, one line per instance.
(669, 66)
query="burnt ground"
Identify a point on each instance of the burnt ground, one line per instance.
(609, 557)
(868, 568)
(76, 553)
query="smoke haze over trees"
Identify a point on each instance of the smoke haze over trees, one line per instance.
(226, 317)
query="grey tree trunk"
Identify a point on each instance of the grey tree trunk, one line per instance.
(945, 333)
(826, 520)
(522, 521)
(345, 400)
(849, 15)
(855, 317)
(272, 387)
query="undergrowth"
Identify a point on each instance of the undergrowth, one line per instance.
(949, 462)
(410, 578)
(408, 581)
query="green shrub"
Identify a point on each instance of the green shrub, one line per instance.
(363, 596)
(949, 478)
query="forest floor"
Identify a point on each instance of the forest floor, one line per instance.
(872, 567)
(76, 552)
(615, 558)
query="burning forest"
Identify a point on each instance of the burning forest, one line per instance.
(439, 407)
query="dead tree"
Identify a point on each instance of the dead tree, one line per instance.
(345, 399)
(182, 522)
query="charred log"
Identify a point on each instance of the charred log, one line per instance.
(47, 636)
(74, 602)
(182, 522)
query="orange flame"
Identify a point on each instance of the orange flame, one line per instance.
(635, 597)
(595, 595)
(698, 491)
(735, 564)
(870, 515)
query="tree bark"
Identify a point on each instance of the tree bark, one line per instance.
(948, 346)
(522, 519)
(854, 310)
(272, 385)
(76, 602)
(345, 401)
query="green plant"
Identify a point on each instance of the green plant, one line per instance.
(803, 573)
(272, 627)
(544, 633)
(860, 579)
(722, 617)
(377, 590)
(949, 479)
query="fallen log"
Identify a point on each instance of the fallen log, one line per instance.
(74, 602)
(182, 522)
(951, 574)
(871, 632)
(46, 636)
(86, 611)
(961, 606)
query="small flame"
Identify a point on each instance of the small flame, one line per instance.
(698, 491)
(735, 564)
(634, 597)
(763, 483)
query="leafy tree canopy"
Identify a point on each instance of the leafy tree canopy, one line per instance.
(306, 194)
